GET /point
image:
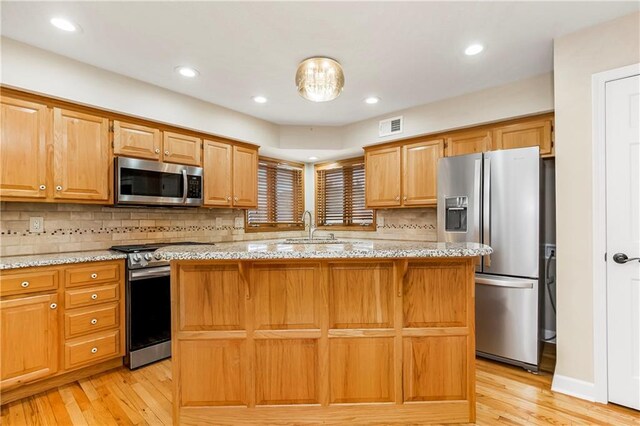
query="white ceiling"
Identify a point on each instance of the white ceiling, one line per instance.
(408, 54)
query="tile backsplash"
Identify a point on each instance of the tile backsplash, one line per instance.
(77, 227)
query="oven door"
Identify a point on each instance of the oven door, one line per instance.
(148, 314)
(144, 182)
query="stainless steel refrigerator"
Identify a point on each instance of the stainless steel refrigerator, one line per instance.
(495, 198)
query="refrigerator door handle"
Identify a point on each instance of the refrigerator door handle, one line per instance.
(476, 206)
(486, 210)
(503, 282)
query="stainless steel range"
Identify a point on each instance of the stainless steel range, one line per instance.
(148, 303)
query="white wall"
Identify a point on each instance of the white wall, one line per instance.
(577, 57)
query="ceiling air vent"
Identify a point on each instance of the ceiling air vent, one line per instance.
(390, 126)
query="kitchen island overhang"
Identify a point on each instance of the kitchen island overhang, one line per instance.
(364, 332)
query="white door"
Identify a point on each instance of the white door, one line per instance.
(623, 239)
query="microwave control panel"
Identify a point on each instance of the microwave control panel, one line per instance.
(194, 187)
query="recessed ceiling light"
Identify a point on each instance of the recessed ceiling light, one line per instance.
(372, 100)
(187, 72)
(259, 99)
(64, 24)
(473, 49)
(313, 158)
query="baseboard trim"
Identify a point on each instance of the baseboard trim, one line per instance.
(574, 387)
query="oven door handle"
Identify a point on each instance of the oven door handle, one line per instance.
(142, 274)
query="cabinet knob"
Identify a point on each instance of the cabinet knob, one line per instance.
(94, 350)
(157, 150)
(235, 198)
(94, 296)
(228, 198)
(58, 188)
(397, 197)
(24, 284)
(404, 198)
(53, 305)
(166, 153)
(94, 276)
(94, 321)
(43, 187)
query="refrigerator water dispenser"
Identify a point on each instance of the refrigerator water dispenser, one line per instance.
(456, 214)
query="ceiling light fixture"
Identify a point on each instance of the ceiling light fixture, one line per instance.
(319, 79)
(313, 158)
(473, 49)
(259, 99)
(372, 100)
(187, 72)
(64, 24)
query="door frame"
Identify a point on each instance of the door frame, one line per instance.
(599, 204)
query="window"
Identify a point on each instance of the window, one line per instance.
(280, 197)
(340, 201)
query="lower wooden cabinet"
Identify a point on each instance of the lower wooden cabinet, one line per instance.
(58, 320)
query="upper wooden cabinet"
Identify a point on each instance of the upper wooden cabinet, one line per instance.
(245, 177)
(216, 160)
(525, 134)
(134, 140)
(82, 166)
(420, 172)
(468, 142)
(24, 137)
(383, 177)
(181, 149)
(29, 339)
(403, 175)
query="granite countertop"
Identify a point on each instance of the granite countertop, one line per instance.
(347, 249)
(15, 262)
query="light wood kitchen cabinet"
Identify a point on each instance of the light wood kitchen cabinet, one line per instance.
(181, 149)
(82, 167)
(525, 134)
(383, 177)
(217, 163)
(134, 140)
(25, 135)
(245, 176)
(29, 339)
(468, 142)
(420, 172)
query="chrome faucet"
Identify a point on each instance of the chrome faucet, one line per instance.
(312, 229)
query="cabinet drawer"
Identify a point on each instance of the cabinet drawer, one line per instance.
(89, 296)
(90, 274)
(91, 349)
(28, 282)
(90, 320)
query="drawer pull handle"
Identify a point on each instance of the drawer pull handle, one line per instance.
(94, 276)
(94, 296)
(94, 350)
(25, 284)
(94, 321)
(53, 305)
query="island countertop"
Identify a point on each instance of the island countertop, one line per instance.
(344, 249)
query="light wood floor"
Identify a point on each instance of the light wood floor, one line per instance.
(506, 396)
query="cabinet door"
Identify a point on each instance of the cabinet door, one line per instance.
(382, 177)
(216, 161)
(469, 143)
(29, 339)
(133, 140)
(82, 166)
(23, 142)
(245, 177)
(420, 168)
(522, 135)
(181, 149)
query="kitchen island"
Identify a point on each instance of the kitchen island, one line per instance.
(353, 332)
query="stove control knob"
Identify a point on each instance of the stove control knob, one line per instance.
(157, 256)
(136, 257)
(148, 256)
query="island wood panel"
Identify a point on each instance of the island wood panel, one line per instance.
(361, 369)
(361, 295)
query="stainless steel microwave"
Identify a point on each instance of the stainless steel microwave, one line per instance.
(151, 183)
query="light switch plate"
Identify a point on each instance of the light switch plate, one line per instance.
(238, 223)
(36, 225)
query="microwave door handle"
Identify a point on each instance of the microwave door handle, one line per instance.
(185, 186)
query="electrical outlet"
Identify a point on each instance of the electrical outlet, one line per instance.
(218, 223)
(238, 223)
(36, 225)
(549, 250)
